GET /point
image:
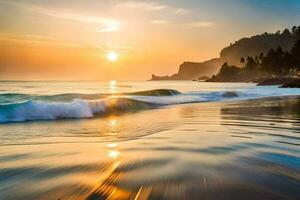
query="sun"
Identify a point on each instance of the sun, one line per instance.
(112, 56)
(112, 83)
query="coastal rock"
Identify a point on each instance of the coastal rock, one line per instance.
(292, 84)
(203, 78)
(193, 71)
(249, 59)
(230, 94)
(274, 81)
(228, 74)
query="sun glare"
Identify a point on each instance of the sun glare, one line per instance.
(113, 25)
(112, 56)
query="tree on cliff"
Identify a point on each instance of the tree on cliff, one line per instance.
(277, 63)
(255, 45)
(296, 55)
(242, 61)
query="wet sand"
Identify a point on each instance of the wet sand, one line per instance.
(230, 150)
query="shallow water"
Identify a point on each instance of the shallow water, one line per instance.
(239, 149)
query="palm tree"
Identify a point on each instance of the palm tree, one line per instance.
(243, 61)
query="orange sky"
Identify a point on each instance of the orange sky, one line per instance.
(70, 39)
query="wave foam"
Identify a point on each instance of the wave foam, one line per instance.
(31, 110)
(78, 108)
(56, 107)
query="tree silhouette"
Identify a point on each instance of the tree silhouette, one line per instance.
(296, 55)
(242, 61)
(276, 62)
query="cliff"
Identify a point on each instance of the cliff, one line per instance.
(193, 70)
(276, 67)
(243, 48)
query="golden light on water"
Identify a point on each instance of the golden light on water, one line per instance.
(112, 83)
(112, 125)
(112, 145)
(113, 154)
(112, 86)
(112, 122)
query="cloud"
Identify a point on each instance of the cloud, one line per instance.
(158, 21)
(180, 11)
(34, 40)
(107, 24)
(151, 6)
(201, 24)
(142, 5)
(110, 26)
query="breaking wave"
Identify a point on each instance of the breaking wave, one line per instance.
(26, 107)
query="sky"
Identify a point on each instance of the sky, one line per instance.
(70, 39)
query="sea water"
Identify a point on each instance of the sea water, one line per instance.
(25, 101)
(155, 140)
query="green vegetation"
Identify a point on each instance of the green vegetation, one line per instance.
(276, 63)
(257, 44)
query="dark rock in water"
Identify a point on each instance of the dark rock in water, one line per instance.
(203, 78)
(230, 94)
(158, 92)
(228, 73)
(274, 81)
(292, 84)
(256, 80)
(284, 82)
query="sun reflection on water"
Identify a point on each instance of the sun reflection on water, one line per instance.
(113, 123)
(113, 86)
(113, 154)
(112, 145)
(112, 126)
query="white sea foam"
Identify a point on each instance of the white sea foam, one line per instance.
(82, 108)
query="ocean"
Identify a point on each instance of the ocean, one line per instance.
(148, 140)
(31, 101)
